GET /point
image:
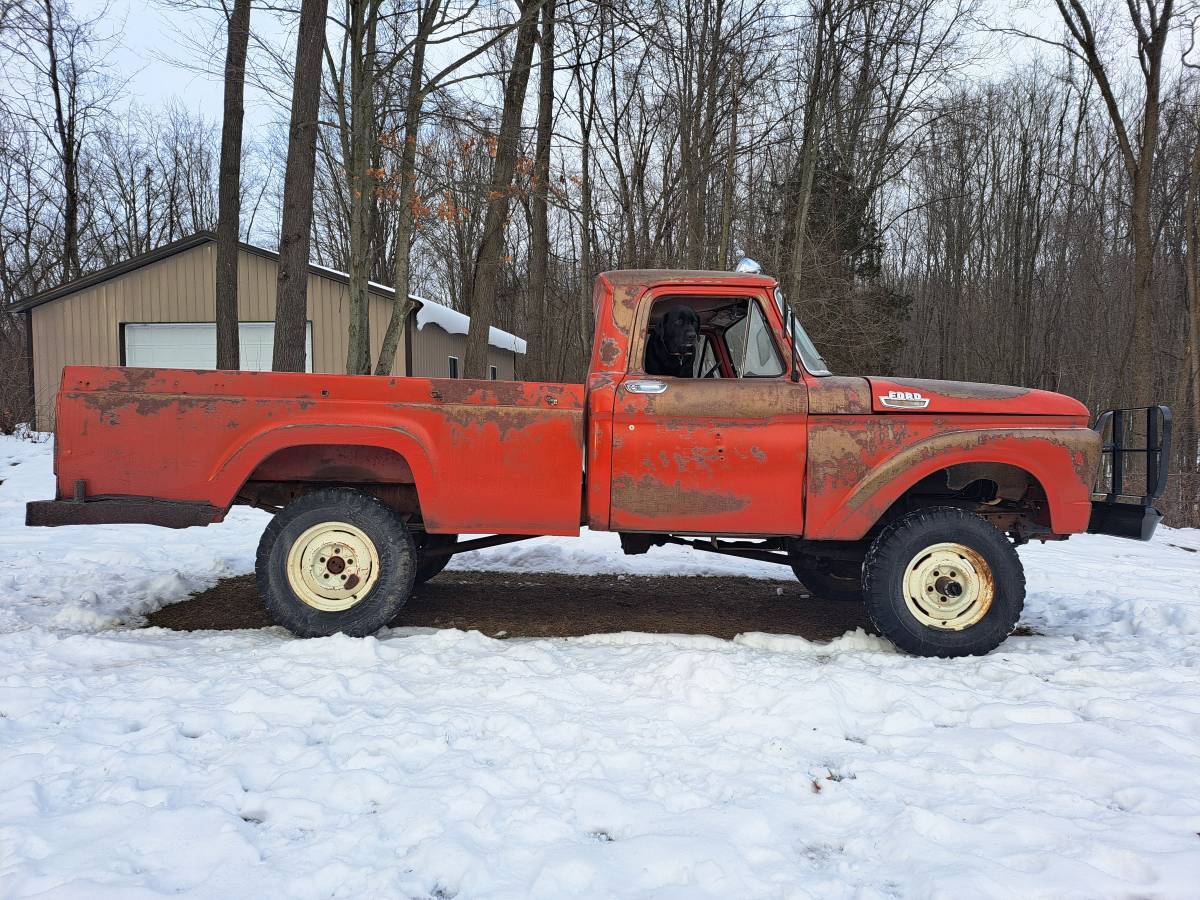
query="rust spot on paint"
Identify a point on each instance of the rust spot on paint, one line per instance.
(838, 395)
(650, 498)
(480, 392)
(610, 351)
(961, 390)
(108, 405)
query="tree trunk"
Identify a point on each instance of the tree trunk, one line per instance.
(725, 251)
(808, 149)
(487, 263)
(292, 287)
(229, 206)
(405, 214)
(361, 183)
(1138, 361)
(586, 315)
(65, 121)
(538, 357)
(1191, 375)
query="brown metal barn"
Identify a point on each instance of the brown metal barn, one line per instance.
(158, 310)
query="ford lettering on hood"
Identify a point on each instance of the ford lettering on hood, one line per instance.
(932, 396)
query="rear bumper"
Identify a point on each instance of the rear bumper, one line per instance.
(1126, 520)
(120, 511)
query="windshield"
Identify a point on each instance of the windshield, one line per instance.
(803, 343)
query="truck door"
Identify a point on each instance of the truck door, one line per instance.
(722, 452)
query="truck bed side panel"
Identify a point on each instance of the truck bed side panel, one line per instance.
(485, 456)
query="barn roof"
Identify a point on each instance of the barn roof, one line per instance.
(428, 312)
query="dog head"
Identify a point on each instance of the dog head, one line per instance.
(680, 330)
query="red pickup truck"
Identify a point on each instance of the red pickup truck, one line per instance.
(905, 494)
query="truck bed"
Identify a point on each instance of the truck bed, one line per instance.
(178, 447)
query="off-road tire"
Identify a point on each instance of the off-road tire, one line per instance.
(896, 552)
(397, 563)
(431, 566)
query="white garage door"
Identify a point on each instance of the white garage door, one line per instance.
(188, 345)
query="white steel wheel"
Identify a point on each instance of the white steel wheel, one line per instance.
(332, 566)
(948, 586)
(942, 581)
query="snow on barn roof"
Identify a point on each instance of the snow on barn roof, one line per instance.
(454, 322)
(449, 320)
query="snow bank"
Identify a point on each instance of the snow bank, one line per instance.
(87, 578)
(447, 764)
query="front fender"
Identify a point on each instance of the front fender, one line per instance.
(859, 468)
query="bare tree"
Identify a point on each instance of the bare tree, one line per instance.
(292, 290)
(357, 127)
(539, 244)
(487, 262)
(1151, 21)
(432, 17)
(69, 93)
(230, 206)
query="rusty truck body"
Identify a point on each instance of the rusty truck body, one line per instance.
(908, 495)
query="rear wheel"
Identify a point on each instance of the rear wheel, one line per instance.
(943, 582)
(334, 561)
(430, 565)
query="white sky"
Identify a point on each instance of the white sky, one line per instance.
(160, 49)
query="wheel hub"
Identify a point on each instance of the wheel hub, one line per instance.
(948, 586)
(332, 566)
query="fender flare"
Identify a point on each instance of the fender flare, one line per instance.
(234, 469)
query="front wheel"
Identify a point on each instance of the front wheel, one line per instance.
(335, 560)
(943, 582)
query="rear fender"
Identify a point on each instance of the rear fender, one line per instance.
(235, 468)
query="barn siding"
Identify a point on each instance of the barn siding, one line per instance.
(432, 346)
(84, 328)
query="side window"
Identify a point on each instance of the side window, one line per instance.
(707, 365)
(751, 347)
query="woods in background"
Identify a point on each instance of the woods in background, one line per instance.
(927, 212)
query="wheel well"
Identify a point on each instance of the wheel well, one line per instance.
(1008, 496)
(292, 472)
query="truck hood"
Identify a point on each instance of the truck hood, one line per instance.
(925, 395)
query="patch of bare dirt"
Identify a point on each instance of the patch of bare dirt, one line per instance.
(554, 605)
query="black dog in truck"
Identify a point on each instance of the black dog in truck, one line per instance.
(671, 345)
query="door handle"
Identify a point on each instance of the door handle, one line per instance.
(645, 386)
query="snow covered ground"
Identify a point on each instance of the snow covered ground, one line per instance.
(137, 762)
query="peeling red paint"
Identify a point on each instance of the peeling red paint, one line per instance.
(648, 497)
